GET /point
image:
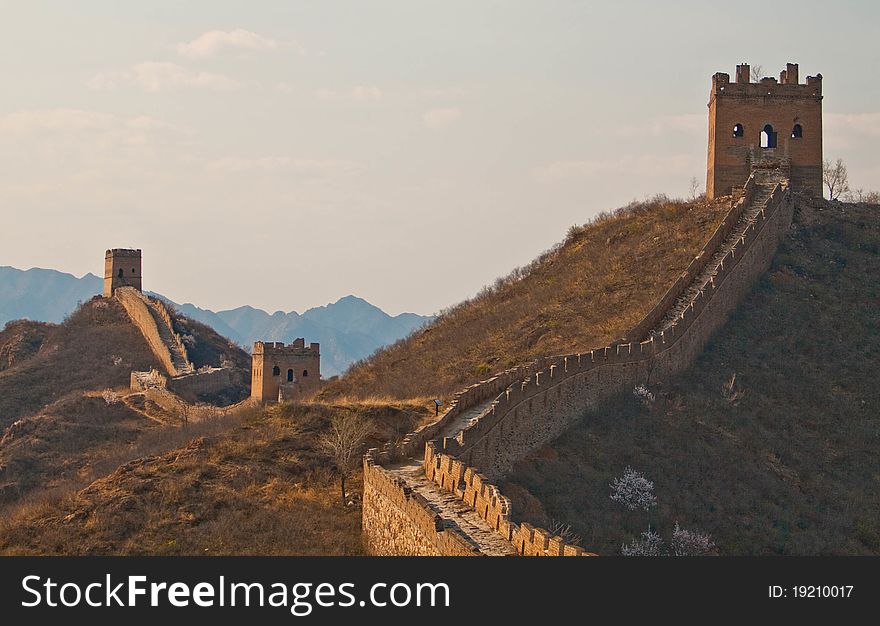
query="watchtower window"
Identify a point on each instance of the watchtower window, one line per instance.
(276, 371)
(120, 273)
(768, 137)
(290, 376)
(738, 131)
(132, 270)
(305, 373)
(797, 132)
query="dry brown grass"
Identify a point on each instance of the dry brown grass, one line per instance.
(95, 348)
(791, 466)
(586, 292)
(261, 487)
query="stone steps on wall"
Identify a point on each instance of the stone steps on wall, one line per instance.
(766, 183)
(166, 334)
(455, 513)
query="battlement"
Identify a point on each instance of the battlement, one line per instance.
(285, 372)
(123, 252)
(786, 87)
(297, 347)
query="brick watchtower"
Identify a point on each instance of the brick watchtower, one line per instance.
(765, 123)
(282, 372)
(122, 268)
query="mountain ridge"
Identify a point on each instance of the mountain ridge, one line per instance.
(348, 329)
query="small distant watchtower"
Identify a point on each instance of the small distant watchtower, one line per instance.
(765, 124)
(281, 372)
(122, 268)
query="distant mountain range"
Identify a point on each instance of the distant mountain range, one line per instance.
(349, 329)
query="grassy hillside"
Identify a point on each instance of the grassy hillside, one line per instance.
(95, 348)
(56, 431)
(20, 340)
(587, 291)
(786, 461)
(258, 487)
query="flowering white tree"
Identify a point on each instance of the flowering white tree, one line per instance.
(644, 395)
(649, 544)
(691, 543)
(633, 491)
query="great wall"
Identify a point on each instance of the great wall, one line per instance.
(183, 381)
(433, 494)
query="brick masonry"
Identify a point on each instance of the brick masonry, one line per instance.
(740, 110)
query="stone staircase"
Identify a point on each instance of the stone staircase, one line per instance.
(455, 513)
(170, 339)
(765, 182)
(154, 321)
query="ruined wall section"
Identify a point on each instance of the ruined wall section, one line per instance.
(139, 312)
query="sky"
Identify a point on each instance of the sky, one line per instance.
(284, 154)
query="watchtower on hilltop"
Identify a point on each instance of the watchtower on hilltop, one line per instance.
(769, 123)
(285, 372)
(122, 268)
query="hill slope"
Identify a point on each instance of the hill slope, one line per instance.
(786, 461)
(586, 292)
(55, 428)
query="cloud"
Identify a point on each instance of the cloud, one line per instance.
(215, 42)
(363, 93)
(154, 76)
(436, 119)
(688, 123)
(308, 168)
(643, 166)
(49, 122)
(862, 124)
(358, 93)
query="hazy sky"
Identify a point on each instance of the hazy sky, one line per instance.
(284, 154)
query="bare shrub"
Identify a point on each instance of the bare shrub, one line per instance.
(730, 392)
(564, 532)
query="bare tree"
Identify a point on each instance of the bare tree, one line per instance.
(695, 187)
(757, 73)
(344, 443)
(860, 195)
(836, 178)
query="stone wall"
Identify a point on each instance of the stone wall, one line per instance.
(402, 523)
(139, 312)
(201, 383)
(165, 315)
(541, 400)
